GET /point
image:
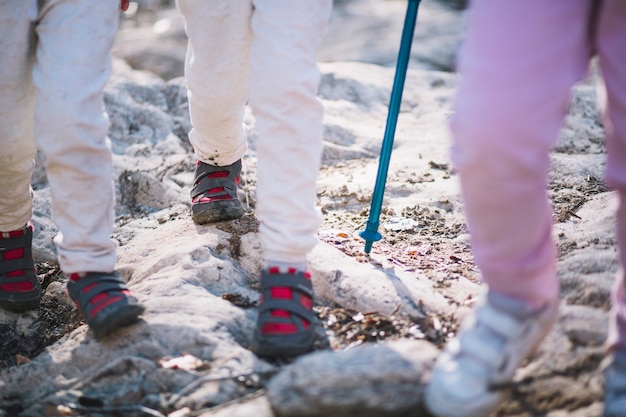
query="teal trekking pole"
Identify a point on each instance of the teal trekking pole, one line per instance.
(371, 234)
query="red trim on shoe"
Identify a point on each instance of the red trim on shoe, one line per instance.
(99, 301)
(13, 254)
(24, 286)
(306, 302)
(100, 306)
(220, 174)
(285, 293)
(205, 199)
(14, 233)
(74, 277)
(281, 292)
(279, 328)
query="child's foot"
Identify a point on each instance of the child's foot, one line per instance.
(20, 289)
(214, 193)
(104, 300)
(469, 377)
(615, 386)
(285, 325)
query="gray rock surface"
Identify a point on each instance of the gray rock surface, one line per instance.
(368, 381)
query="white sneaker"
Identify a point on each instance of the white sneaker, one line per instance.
(470, 374)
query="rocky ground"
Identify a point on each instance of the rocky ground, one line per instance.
(383, 316)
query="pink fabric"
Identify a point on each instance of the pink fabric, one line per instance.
(518, 64)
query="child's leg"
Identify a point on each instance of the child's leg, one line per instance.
(19, 285)
(72, 66)
(217, 70)
(612, 52)
(519, 61)
(17, 146)
(284, 83)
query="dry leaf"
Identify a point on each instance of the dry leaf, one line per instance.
(183, 412)
(21, 359)
(185, 362)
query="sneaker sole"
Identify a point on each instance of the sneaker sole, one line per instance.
(216, 211)
(439, 403)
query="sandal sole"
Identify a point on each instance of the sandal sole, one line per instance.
(277, 350)
(120, 312)
(216, 211)
(21, 305)
(109, 320)
(21, 301)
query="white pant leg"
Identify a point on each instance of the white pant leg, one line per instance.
(17, 146)
(217, 71)
(72, 65)
(283, 87)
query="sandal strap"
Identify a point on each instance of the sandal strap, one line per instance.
(106, 282)
(203, 184)
(19, 242)
(15, 265)
(25, 262)
(299, 283)
(294, 309)
(208, 184)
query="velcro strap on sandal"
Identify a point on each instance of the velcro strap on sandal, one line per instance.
(16, 265)
(18, 242)
(25, 262)
(202, 182)
(207, 184)
(105, 282)
(298, 282)
(12, 243)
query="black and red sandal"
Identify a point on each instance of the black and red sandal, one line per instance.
(20, 289)
(104, 300)
(285, 324)
(214, 193)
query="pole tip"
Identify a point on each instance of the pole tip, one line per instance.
(370, 236)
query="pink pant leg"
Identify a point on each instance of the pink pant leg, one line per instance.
(612, 51)
(518, 64)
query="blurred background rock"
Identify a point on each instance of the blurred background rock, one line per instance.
(152, 35)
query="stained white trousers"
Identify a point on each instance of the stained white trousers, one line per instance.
(263, 51)
(54, 63)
